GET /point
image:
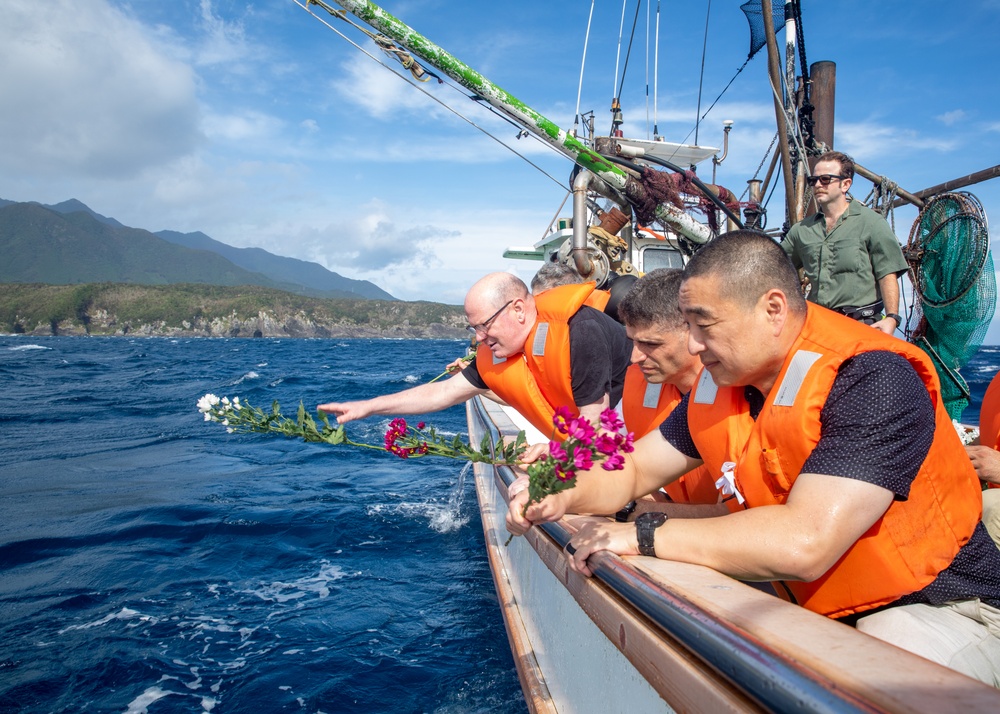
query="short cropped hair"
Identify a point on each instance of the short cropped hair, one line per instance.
(845, 161)
(652, 300)
(552, 275)
(501, 287)
(749, 264)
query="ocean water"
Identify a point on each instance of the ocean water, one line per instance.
(151, 562)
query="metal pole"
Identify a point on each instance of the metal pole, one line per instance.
(518, 111)
(774, 71)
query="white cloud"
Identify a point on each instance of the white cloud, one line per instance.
(85, 92)
(223, 42)
(952, 117)
(864, 140)
(249, 126)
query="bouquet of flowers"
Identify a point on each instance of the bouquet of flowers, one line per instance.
(583, 447)
(401, 439)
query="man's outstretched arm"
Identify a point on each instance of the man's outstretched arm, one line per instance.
(425, 398)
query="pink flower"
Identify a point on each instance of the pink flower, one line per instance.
(557, 452)
(582, 430)
(561, 418)
(615, 462)
(421, 425)
(563, 473)
(583, 459)
(606, 444)
(625, 443)
(610, 420)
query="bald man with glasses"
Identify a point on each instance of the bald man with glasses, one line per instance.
(536, 353)
(847, 251)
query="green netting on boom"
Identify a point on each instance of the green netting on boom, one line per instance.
(949, 254)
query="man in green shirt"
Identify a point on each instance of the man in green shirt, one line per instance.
(847, 251)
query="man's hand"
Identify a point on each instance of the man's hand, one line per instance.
(552, 508)
(886, 325)
(347, 411)
(457, 366)
(986, 461)
(533, 453)
(599, 534)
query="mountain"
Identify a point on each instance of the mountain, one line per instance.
(41, 245)
(309, 276)
(110, 251)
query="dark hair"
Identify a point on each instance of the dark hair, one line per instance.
(750, 264)
(652, 300)
(845, 161)
(552, 275)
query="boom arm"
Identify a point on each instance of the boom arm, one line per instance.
(516, 110)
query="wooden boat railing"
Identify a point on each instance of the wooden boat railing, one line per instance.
(706, 642)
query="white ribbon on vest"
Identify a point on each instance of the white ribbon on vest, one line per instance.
(727, 482)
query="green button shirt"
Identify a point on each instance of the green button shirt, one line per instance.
(844, 265)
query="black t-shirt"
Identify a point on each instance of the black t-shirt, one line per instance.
(877, 426)
(599, 354)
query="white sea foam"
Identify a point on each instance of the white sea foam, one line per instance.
(318, 585)
(442, 518)
(22, 348)
(249, 375)
(125, 614)
(411, 378)
(140, 705)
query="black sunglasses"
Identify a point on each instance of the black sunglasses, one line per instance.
(485, 326)
(825, 179)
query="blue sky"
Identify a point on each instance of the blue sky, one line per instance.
(256, 124)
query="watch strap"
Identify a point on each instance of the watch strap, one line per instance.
(897, 318)
(645, 531)
(627, 510)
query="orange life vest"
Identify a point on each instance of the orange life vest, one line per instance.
(644, 407)
(598, 299)
(538, 380)
(989, 415)
(546, 350)
(906, 549)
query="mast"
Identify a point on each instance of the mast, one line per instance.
(774, 72)
(618, 180)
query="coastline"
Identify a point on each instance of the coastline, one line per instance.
(189, 310)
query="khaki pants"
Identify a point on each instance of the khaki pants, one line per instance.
(963, 636)
(991, 513)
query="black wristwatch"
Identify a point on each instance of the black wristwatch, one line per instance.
(645, 528)
(897, 318)
(627, 510)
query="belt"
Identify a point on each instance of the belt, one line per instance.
(867, 314)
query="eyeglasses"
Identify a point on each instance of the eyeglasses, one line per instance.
(825, 179)
(485, 326)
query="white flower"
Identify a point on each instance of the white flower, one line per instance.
(208, 417)
(967, 434)
(225, 401)
(230, 430)
(206, 403)
(236, 403)
(225, 422)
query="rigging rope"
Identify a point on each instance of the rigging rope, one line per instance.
(304, 4)
(583, 61)
(628, 54)
(701, 74)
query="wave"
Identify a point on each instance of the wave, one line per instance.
(22, 348)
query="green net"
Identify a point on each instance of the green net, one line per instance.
(949, 252)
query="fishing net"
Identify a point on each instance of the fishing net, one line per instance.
(755, 16)
(949, 254)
